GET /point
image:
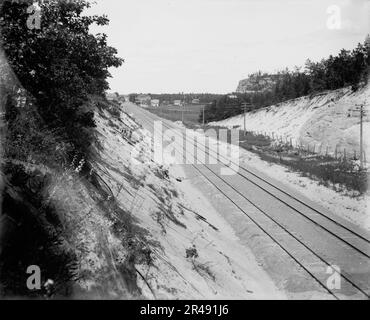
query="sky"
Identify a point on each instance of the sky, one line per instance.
(172, 46)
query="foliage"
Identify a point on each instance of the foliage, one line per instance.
(170, 97)
(348, 68)
(61, 63)
(49, 111)
(222, 108)
(342, 175)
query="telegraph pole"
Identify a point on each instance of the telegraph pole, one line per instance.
(204, 115)
(362, 113)
(245, 106)
(245, 119)
(183, 106)
(362, 136)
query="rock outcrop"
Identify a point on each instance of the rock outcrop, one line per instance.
(257, 83)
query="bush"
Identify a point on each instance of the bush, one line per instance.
(59, 67)
(61, 64)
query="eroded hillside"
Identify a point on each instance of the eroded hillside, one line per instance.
(187, 249)
(326, 120)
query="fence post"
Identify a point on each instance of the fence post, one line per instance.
(364, 158)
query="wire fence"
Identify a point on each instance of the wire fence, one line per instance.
(314, 149)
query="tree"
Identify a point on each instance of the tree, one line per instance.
(132, 97)
(348, 68)
(61, 64)
(61, 69)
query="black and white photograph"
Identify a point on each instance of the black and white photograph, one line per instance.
(184, 150)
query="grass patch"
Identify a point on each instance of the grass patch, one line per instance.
(341, 175)
(202, 269)
(174, 113)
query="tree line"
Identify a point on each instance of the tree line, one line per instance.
(204, 98)
(350, 68)
(50, 83)
(60, 66)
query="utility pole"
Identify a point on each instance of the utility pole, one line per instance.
(183, 106)
(245, 106)
(245, 119)
(362, 114)
(362, 136)
(204, 115)
(182, 114)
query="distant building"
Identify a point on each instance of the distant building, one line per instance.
(154, 103)
(233, 96)
(177, 103)
(195, 101)
(143, 100)
(111, 97)
(119, 99)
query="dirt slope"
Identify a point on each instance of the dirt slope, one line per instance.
(190, 252)
(324, 120)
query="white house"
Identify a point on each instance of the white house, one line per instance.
(143, 100)
(177, 103)
(154, 103)
(111, 97)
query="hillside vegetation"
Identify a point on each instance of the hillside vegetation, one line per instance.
(81, 197)
(327, 121)
(347, 69)
(52, 80)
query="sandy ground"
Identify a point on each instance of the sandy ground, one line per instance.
(353, 209)
(326, 120)
(178, 220)
(342, 205)
(285, 273)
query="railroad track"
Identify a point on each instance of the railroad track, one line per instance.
(348, 242)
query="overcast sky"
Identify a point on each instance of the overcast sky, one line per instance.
(209, 45)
